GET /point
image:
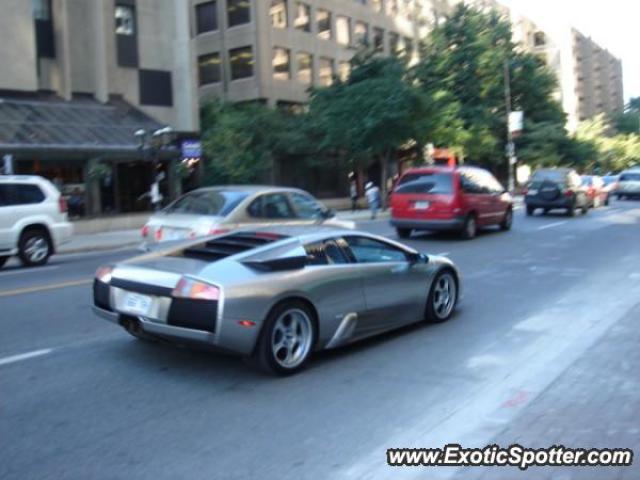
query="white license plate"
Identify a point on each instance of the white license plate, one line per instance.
(421, 206)
(174, 234)
(137, 304)
(532, 192)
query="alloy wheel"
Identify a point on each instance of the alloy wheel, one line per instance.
(291, 338)
(444, 295)
(36, 249)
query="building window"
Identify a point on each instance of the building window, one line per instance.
(41, 10)
(344, 70)
(325, 72)
(392, 7)
(408, 46)
(241, 60)
(238, 12)
(323, 19)
(206, 17)
(394, 43)
(209, 69)
(343, 30)
(278, 13)
(539, 39)
(303, 17)
(305, 68)
(155, 88)
(361, 33)
(378, 39)
(281, 64)
(125, 20)
(377, 5)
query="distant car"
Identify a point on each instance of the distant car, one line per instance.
(275, 295)
(214, 210)
(33, 219)
(629, 184)
(444, 198)
(596, 191)
(556, 188)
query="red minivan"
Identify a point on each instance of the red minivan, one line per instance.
(445, 198)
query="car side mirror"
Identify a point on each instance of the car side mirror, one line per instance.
(329, 213)
(418, 258)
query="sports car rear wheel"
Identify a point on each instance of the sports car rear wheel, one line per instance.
(287, 339)
(443, 297)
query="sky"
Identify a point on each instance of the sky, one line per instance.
(611, 23)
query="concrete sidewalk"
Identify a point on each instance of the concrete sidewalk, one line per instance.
(111, 240)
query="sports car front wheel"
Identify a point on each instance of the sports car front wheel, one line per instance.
(443, 297)
(286, 340)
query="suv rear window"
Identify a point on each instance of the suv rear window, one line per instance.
(630, 177)
(436, 183)
(20, 194)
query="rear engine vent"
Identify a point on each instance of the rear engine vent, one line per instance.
(223, 247)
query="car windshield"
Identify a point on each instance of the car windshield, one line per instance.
(218, 203)
(630, 177)
(436, 183)
(552, 175)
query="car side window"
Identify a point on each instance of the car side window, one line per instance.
(368, 250)
(325, 253)
(470, 184)
(29, 194)
(274, 206)
(305, 206)
(7, 195)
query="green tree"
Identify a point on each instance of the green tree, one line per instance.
(613, 152)
(628, 122)
(467, 56)
(376, 111)
(242, 141)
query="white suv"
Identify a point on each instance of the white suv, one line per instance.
(33, 219)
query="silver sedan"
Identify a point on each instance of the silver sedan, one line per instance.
(214, 210)
(275, 295)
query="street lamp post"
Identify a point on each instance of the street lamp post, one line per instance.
(150, 146)
(511, 149)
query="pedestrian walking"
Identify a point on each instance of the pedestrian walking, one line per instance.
(353, 193)
(373, 198)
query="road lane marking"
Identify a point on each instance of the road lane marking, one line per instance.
(551, 225)
(28, 270)
(42, 288)
(24, 356)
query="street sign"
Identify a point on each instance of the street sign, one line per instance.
(516, 121)
(7, 168)
(191, 149)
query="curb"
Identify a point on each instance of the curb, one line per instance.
(96, 248)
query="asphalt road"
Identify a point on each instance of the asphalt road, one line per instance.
(81, 399)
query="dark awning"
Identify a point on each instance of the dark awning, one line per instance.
(76, 128)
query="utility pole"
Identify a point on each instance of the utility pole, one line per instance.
(511, 149)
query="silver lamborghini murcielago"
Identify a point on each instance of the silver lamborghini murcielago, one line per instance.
(277, 294)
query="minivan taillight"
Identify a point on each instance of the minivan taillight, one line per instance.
(568, 193)
(62, 204)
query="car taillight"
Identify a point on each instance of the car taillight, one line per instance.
(62, 205)
(104, 274)
(218, 231)
(568, 193)
(145, 231)
(195, 290)
(158, 234)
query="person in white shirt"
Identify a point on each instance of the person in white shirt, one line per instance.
(373, 199)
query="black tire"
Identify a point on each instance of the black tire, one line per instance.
(507, 221)
(3, 260)
(432, 313)
(34, 248)
(545, 211)
(470, 227)
(606, 201)
(403, 232)
(530, 210)
(265, 358)
(585, 209)
(571, 211)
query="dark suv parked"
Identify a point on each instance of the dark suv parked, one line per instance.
(557, 188)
